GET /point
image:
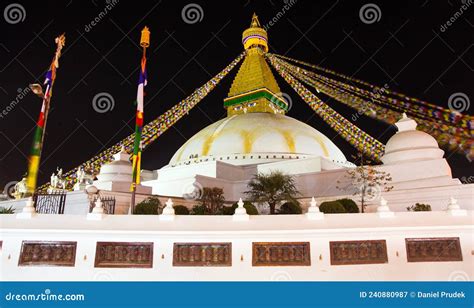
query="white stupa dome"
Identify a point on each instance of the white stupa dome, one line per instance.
(257, 137)
(409, 144)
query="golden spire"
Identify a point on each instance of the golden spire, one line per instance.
(255, 89)
(255, 36)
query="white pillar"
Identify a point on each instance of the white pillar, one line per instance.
(168, 211)
(240, 213)
(383, 210)
(28, 211)
(313, 211)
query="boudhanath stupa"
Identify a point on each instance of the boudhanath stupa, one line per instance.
(257, 136)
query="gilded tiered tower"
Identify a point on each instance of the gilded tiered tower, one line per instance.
(255, 89)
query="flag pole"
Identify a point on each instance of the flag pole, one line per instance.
(38, 139)
(137, 146)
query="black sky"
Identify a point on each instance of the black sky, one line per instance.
(405, 49)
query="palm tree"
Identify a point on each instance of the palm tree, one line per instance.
(272, 188)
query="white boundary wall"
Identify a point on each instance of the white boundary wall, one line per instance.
(279, 228)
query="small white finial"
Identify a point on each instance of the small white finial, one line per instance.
(97, 212)
(29, 211)
(168, 211)
(313, 211)
(383, 210)
(454, 209)
(240, 213)
(405, 123)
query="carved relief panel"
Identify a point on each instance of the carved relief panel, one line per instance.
(433, 249)
(358, 252)
(39, 253)
(281, 254)
(202, 254)
(124, 254)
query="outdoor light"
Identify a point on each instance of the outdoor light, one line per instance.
(37, 89)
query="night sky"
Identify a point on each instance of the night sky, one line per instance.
(405, 49)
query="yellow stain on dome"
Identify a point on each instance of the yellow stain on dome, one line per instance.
(206, 145)
(290, 141)
(322, 145)
(248, 138)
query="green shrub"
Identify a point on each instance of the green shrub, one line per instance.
(419, 207)
(149, 206)
(230, 210)
(181, 210)
(349, 205)
(7, 210)
(199, 210)
(290, 208)
(330, 207)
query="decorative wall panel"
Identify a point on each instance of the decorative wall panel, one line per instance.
(202, 254)
(281, 254)
(433, 249)
(124, 254)
(358, 252)
(39, 253)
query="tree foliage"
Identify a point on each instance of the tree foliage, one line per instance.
(419, 207)
(367, 182)
(290, 208)
(212, 200)
(332, 207)
(272, 188)
(149, 206)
